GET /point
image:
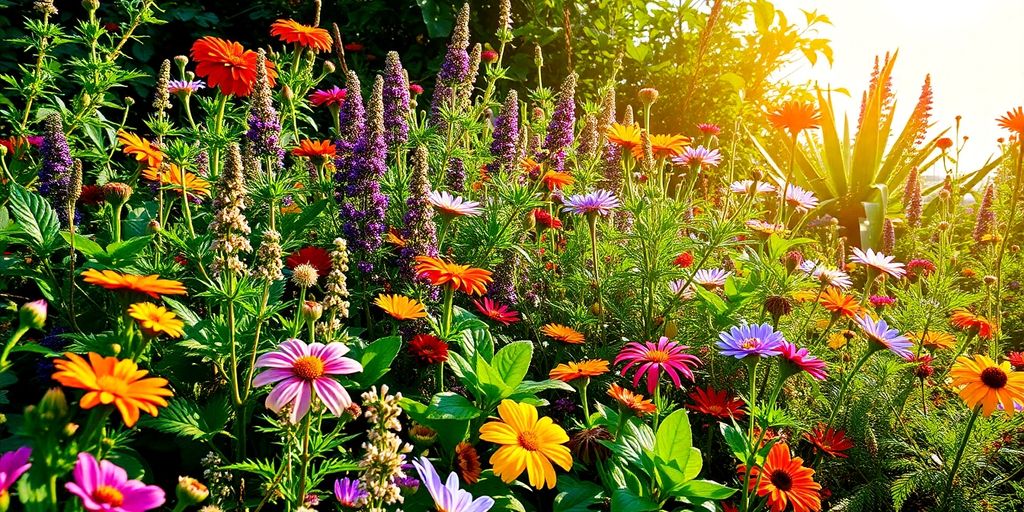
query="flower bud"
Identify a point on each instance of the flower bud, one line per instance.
(792, 260)
(33, 314)
(54, 406)
(90, 5)
(415, 89)
(671, 329)
(153, 226)
(648, 95)
(287, 92)
(943, 226)
(181, 61)
(538, 56)
(778, 306)
(117, 193)
(990, 280)
(489, 56)
(422, 435)
(312, 311)
(329, 67)
(70, 430)
(190, 491)
(756, 175)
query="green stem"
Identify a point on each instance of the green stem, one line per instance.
(305, 460)
(13, 340)
(846, 384)
(585, 402)
(959, 456)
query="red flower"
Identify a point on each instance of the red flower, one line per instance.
(944, 143)
(91, 195)
(684, 260)
(319, 258)
(1016, 360)
(333, 97)
(415, 89)
(545, 220)
(719, 404)
(831, 441)
(291, 31)
(354, 47)
(431, 349)
(228, 66)
(313, 148)
(498, 312)
(488, 56)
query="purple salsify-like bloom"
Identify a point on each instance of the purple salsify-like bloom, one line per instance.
(12, 465)
(800, 360)
(611, 164)
(454, 70)
(349, 492)
(503, 288)
(750, 340)
(599, 202)
(396, 102)
(560, 128)
(264, 132)
(506, 135)
(447, 495)
(699, 156)
(455, 175)
(104, 486)
(55, 174)
(301, 371)
(651, 358)
(185, 86)
(883, 337)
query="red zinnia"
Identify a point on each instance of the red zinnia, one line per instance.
(228, 66)
(719, 404)
(498, 312)
(829, 440)
(319, 258)
(545, 220)
(431, 349)
(684, 260)
(291, 31)
(415, 89)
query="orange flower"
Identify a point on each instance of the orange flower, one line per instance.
(529, 166)
(154, 320)
(632, 401)
(177, 179)
(976, 324)
(1013, 120)
(460, 277)
(795, 117)
(934, 340)
(313, 148)
(400, 307)
(625, 136)
(784, 479)
(109, 380)
(141, 149)
(228, 66)
(467, 462)
(573, 370)
(663, 145)
(839, 303)
(395, 238)
(563, 333)
(988, 384)
(150, 285)
(555, 179)
(291, 31)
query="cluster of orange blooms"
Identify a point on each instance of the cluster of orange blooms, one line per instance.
(151, 160)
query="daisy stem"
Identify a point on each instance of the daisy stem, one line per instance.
(298, 313)
(13, 340)
(752, 451)
(592, 222)
(1014, 194)
(222, 102)
(789, 177)
(449, 296)
(846, 384)
(960, 455)
(657, 405)
(184, 205)
(300, 498)
(586, 403)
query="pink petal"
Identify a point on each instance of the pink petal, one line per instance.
(333, 395)
(275, 360)
(282, 394)
(140, 498)
(301, 404)
(271, 375)
(342, 366)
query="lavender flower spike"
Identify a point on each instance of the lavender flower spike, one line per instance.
(55, 175)
(559, 134)
(506, 135)
(454, 69)
(396, 102)
(420, 232)
(264, 135)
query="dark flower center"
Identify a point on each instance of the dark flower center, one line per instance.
(782, 480)
(993, 377)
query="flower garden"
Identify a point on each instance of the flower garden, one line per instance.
(520, 275)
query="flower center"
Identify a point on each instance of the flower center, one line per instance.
(993, 377)
(108, 495)
(781, 480)
(528, 440)
(749, 343)
(657, 356)
(112, 385)
(308, 368)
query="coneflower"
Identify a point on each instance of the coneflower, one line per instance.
(55, 174)
(264, 134)
(912, 199)
(454, 69)
(986, 220)
(455, 175)
(506, 135)
(420, 231)
(352, 118)
(268, 257)
(396, 102)
(229, 227)
(560, 127)
(888, 237)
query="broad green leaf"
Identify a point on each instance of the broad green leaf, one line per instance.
(376, 360)
(450, 406)
(513, 361)
(576, 495)
(704, 489)
(82, 244)
(491, 382)
(37, 220)
(626, 501)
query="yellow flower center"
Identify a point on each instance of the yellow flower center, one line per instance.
(308, 368)
(112, 385)
(108, 495)
(994, 377)
(749, 343)
(528, 440)
(657, 356)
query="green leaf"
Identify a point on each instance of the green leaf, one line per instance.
(450, 406)
(626, 501)
(437, 17)
(82, 244)
(673, 440)
(37, 220)
(183, 417)
(128, 249)
(513, 361)
(576, 495)
(705, 489)
(491, 383)
(737, 441)
(376, 360)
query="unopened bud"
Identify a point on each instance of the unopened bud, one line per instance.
(181, 61)
(989, 280)
(329, 67)
(153, 226)
(648, 95)
(117, 193)
(191, 491)
(33, 314)
(312, 311)
(287, 92)
(54, 405)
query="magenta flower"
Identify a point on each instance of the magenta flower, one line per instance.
(185, 86)
(709, 128)
(798, 359)
(750, 340)
(654, 357)
(332, 98)
(349, 492)
(700, 156)
(883, 337)
(600, 202)
(300, 370)
(879, 262)
(104, 486)
(879, 301)
(12, 465)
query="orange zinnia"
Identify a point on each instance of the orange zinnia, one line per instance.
(291, 31)
(663, 146)
(563, 333)
(1013, 120)
(795, 117)
(839, 303)
(632, 401)
(975, 324)
(315, 148)
(459, 277)
(141, 149)
(784, 479)
(109, 380)
(627, 136)
(559, 180)
(571, 371)
(150, 285)
(228, 66)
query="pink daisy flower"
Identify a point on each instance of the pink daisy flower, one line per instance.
(709, 128)
(453, 206)
(332, 98)
(800, 360)
(800, 199)
(700, 156)
(104, 486)
(752, 187)
(300, 370)
(878, 261)
(12, 465)
(652, 358)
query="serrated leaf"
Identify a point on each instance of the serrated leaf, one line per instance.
(36, 218)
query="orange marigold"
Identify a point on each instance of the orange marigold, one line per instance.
(459, 277)
(795, 117)
(228, 66)
(150, 285)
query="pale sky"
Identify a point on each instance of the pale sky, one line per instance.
(973, 49)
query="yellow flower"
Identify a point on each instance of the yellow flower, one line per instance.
(154, 320)
(400, 307)
(987, 384)
(527, 443)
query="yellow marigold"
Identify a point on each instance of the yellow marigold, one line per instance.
(400, 307)
(154, 320)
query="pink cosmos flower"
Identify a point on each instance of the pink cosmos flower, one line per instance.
(654, 357)
(879, 262)
(104, 486)
(700, 156)
(300, 370)
(12, 465)
(453, 206)
(800, 360)
(332, 97)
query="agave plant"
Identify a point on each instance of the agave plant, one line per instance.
(854, 176)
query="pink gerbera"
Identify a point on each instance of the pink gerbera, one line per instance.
(300, 370)
(333, 97)
(498, 312)
(654, 357)
(12, 465)
(104, 486)
(798, 359)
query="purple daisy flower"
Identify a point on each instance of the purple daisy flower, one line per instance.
(750, 340)
(798, 359)
(349, 492)
(700, 156)
(800, 199)
(446, 495)
(883, 337)
(711, 278)
(599, 202)
(185, 86)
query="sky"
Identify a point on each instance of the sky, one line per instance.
(974, 51)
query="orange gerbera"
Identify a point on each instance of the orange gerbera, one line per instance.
(154, 320)
(975, 324)
(795, 117)
(627, 136)
(143, 151)
(987, 384)
(839, 303)
(459, 277)
(663, 146)
(108, 380)
(934, 340)
(559, 180)
(563, 333)
(1013, 120)
(633, 401)
(291, 31)
(177, 179)
(315, 148)
(400, 307)
(572, 370)
(228, 66)
(784, 479)
(150, 285)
